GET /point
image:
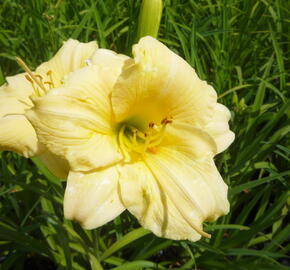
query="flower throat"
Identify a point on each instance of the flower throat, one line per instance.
(132, 139)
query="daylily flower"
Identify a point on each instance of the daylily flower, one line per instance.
(17, 134)
(139, 134)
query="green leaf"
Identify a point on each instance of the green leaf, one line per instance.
(127, 239)
(255, 183)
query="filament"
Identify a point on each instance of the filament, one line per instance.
(133, 140)
(32, 76)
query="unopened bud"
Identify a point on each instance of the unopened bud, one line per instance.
(149, 18)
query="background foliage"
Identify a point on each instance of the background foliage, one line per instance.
(242, 48)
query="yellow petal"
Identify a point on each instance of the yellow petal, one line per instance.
(195, 186)
(19, 88)
(83, 148)
(173, 195)
(218, 128)
(10, 106)
(161, 84)
(70, 57)
(55, 164)
(74, 122)
(18, 135)
(88, 88)
(145, 198)
(92, 199)
(110, 65)
(190, 141)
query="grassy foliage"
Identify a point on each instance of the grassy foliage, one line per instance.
(242, 48)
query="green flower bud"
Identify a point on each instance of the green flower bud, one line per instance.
(149, 18)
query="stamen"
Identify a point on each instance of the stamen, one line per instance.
(49, 74)
(50, 84)
(28, 78)
(32, 83)
(151, 125)
(166, 121)
(132, 139)
(33, 77)
(157, 133)
(39, 76)
(141, 135)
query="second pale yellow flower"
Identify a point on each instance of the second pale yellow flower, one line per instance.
(16, 132)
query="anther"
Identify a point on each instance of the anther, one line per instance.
(38, 76)
(49, 74)
(28, 78)
(49, 83)
(151, 125)
(166, 121)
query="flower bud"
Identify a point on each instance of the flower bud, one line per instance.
(149, 18)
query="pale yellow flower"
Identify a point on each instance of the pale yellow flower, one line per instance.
(17, 134)
(139, 134)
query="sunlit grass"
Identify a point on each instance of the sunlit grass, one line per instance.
(242, 49)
